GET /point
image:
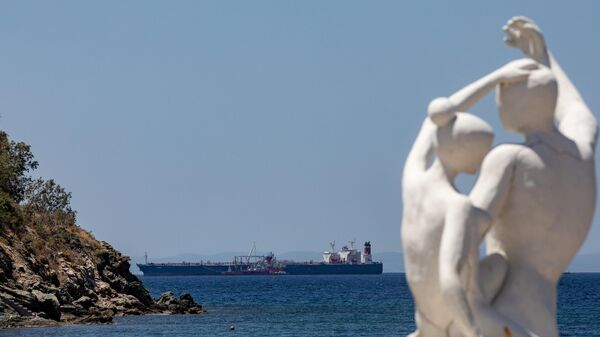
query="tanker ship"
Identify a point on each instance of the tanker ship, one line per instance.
(346, 261)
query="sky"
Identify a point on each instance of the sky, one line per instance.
(203, 126)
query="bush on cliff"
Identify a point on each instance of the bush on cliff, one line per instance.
(48, 201)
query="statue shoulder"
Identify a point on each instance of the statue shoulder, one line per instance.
(503, 155)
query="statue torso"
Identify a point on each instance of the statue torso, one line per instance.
(426, 199)
(541, 227)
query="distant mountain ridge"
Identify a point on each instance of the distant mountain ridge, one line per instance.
(393, 262)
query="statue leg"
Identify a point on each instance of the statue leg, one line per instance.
(492, 273)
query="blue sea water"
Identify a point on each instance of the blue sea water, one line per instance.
(351, 306)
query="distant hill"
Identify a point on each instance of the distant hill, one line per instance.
(392, 261)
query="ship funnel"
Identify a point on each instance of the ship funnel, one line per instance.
(366, 256)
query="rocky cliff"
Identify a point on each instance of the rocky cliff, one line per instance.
(51, 270)
(53, 274)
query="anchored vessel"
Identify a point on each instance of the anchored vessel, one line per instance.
(347, 261)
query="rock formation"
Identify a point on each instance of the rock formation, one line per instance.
(54, 274)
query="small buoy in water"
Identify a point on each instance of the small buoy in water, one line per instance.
(231, 327)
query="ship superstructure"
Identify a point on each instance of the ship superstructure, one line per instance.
(346, 261)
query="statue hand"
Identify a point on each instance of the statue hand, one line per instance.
(524, 34)
(515, 71)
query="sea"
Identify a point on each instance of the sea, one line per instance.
(286, 305)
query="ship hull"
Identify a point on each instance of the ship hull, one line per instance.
(333, 269)
(289, 269)
(184, 270)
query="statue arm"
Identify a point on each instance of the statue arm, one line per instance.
(493, 185)
(458, 251)
(422, 150)
(573, 117)
(443, 109)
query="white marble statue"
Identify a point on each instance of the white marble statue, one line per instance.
(535, 200)
(430, 200)
(435, 237)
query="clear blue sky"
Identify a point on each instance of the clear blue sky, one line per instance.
(199, 127)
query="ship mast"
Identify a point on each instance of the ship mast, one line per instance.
(252, 252)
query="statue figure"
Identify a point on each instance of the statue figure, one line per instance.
(431, 202)
(536, 198)
(441, 226)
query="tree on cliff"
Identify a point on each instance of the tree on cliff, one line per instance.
(38, 197)
(49, 199)
(16, 161)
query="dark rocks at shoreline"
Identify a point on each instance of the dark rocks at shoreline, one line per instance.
(167, 302)
(39, 309)
(83, 282)
(48, 304)
(20, 308)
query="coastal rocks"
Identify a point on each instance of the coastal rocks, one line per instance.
(44, 281)
(6, 266)
(12, 307)
(17, 321)
(126, 303)
(64, 296)
(187, 301)
(167, 298)
(184, 305)
(103, 289)
(84, 302)
(22, 297)
(71, 282)
(92, 316)
(137, 290)
(76, 280)
(102, 318)
(48, 303)
(113, 268)
(26, 303)
(73, 310)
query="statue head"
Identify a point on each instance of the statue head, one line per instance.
(528, 106)
(462, 143)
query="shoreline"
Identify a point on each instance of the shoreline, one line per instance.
(20, 322)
